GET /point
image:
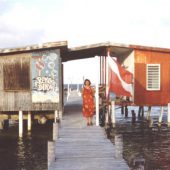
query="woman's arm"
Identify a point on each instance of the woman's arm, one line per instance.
(82, 91)
(93, 91)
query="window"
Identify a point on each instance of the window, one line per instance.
(153, 76)
(16, 75)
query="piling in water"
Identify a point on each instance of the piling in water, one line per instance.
(51, 152)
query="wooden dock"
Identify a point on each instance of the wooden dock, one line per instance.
(81, 147)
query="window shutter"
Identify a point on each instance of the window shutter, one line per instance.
(153, 76)
(17, 74)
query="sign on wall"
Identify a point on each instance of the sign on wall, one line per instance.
(45, 76)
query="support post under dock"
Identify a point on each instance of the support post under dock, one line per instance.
(160, 117)
(56, 115)
(51, 153)
(113, 118)
(118, 146)
(1, 124)
(168, 118)
(29, 121)
(20, 123)
(55, 131)
(148, 116)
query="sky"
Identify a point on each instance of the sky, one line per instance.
(81, 22)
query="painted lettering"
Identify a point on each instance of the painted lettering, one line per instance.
(44, 84)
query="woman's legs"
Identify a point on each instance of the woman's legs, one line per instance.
(91, 120)
(88, 121)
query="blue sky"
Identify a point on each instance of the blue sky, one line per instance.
(80, 22)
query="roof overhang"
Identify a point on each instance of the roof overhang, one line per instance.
(101, 49)
(93, 50)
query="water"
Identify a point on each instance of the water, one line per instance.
(27, 153)
(144, 147)
(73, 86)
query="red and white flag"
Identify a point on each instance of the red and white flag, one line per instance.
(119, 79)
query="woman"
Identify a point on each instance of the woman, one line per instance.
(88, 102)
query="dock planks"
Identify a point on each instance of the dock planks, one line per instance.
(82, 147)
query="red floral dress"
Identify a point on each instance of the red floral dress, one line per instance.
(88, 102)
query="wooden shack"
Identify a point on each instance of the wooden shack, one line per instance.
(31, 78)
(150, 67)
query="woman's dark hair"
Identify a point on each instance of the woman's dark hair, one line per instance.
(88, 81)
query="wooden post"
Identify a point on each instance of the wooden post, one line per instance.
(56, 116)
(29, 121)
(107, 88)
(68, 91)
(168, 117)
(150, 122)
(107, 78)
(20, 123)
(126, 111)
(160, 117)
(55, 131)
(107, 117)
(113, 119)
(118, 146)
(51, 152)
(100, 69)
(60, 114)
(60, 79)
(148, 113)
(122, 110)
(1, 124)
(97, 92)
(141, 110)
(133, 116)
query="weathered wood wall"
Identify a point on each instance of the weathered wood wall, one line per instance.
(16, 72)
(15, 85)
(142, 96)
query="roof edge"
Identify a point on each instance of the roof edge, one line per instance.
(104, 44)
(79, 48)
(34, 47)
(120, 45)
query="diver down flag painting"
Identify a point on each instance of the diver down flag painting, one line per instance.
(119, 79)
(45, 76)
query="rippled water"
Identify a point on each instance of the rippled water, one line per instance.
(27, 153)
(144, 147)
